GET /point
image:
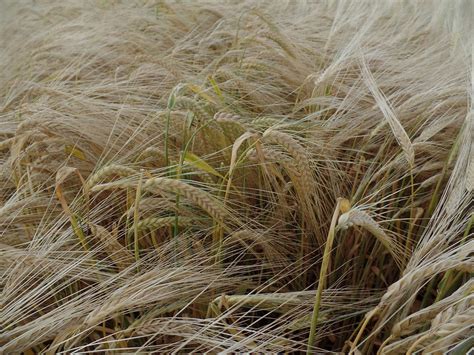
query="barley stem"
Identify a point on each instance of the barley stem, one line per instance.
(322, 277)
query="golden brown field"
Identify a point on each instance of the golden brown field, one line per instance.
(236, 177)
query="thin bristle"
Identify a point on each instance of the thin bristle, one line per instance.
(236, 177)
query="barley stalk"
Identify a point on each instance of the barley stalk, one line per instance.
(322, 277)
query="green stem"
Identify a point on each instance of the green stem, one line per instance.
(412, 208)
(322, 278)
(167, 128)
(435, 198)
(446, 282)
(136, 246)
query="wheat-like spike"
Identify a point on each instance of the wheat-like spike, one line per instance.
(430, 131)
(298, 179)
(151, 223)
(442, 318)
(113, 169)
(296, 150)
(192, 105)
(14, 238)
(264, 123)
(14, 344)
(226, 75)
(457, 327)
(15, 256)
(152, 204)
(470, 169)
(230, 56)
(430, 181)
(230, 124)
(120, 256)
(10, 211)
(158, 284)
(153, 152)
(6, 144)
(122, 297)
(417, 276)
(198, 196)
(63, 333)
(275, 301)
(275, 156)
(226, 117)
(105, 310)
(12, 254)
(119, 184)
(281, 40)
(207, 331)
(362, 219)
(401, 346)
(398, 131)
(168, 65)
(161, 325)
(117, 304)
(454, 321)
(436, 165)
(416, 320)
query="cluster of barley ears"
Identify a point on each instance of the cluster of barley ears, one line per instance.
(256, 176)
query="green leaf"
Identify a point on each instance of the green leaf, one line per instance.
(216, 88)
(197, 162)
(75, 152)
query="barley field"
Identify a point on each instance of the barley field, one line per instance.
(236, 177)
